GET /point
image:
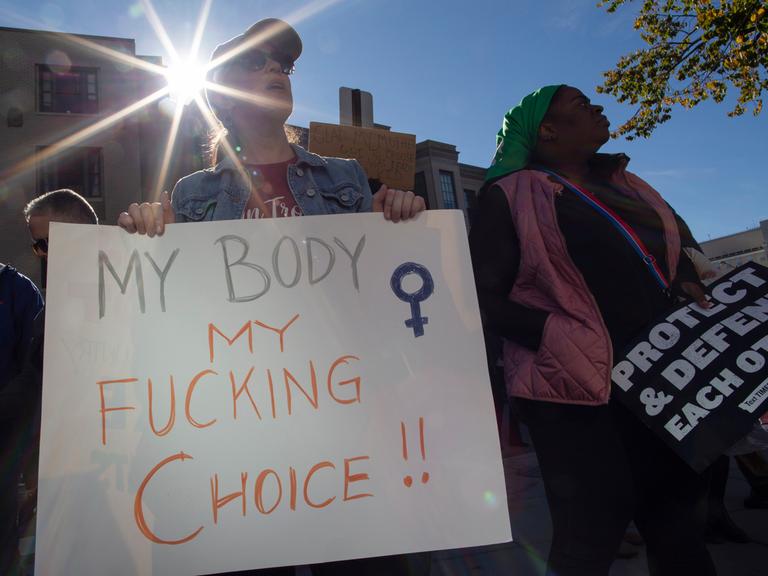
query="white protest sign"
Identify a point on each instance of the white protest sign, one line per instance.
(245, 394)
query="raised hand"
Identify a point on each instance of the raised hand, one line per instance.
(148, 218)
(397, 204)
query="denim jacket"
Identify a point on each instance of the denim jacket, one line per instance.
(319, 185)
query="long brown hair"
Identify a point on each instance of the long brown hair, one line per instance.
(214, 151)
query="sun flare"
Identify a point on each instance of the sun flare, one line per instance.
(185, 81)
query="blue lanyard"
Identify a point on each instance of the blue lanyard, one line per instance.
(625, 229)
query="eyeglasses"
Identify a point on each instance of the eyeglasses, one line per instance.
(255, 60)
(40, 246)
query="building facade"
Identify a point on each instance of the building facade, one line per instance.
(729, 252)
(54, 86)
(443, 181)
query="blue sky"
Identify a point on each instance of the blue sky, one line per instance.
(448, 70)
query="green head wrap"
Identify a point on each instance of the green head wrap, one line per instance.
(517, 137)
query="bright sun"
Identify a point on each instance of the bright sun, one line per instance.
(185, 81)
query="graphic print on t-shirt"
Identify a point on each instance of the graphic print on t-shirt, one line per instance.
(271, 197)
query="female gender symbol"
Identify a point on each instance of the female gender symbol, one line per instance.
(416, 321)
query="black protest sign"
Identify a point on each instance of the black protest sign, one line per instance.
(699, 377)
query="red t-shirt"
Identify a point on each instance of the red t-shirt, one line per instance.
(271, 196)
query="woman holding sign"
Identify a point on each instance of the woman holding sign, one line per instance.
(257, 174)
(574, 257)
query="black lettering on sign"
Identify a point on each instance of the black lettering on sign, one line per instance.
(134, 270)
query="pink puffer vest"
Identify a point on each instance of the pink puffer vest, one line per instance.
(573, 363)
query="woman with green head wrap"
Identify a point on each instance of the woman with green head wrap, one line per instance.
(519, 133)
(574, 257)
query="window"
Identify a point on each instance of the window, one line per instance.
(420, 187)
(78, 169)
(447, 189)
(15, 118)
(470, 201)
(70, 91)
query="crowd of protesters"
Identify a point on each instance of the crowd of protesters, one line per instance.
(561, 290)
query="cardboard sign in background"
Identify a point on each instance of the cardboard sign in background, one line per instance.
(699, 378)
(246, 394)
(386, 156)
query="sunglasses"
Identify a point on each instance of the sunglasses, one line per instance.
(255, 60)
(40, 246)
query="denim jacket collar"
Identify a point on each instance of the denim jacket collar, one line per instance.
(307, 157)
(303, 157)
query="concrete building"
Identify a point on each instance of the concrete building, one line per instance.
(443, 181)
(731, 251)
(472, 178)
(54, 85)
(437, 175)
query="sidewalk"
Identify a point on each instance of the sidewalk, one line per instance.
(531, 531)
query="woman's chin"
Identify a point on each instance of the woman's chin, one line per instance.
(278, 108)
(282, 103)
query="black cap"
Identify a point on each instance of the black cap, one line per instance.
(272, 31)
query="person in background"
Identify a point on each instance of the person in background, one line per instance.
(57, 206)
(720, 524)
(62, 205)
(20, 401)
(257, 173)
(575, 256)
(20, 303)
(754, 467)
